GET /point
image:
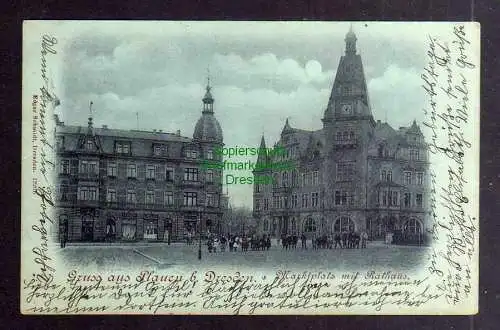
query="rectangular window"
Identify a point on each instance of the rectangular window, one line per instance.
(275, 202)
(169, 197)
(295, 202)
(111, 197)
(407, 200)
(419, 200)
(304, 200)
(384, 198)
(414, 154)
(210, 154)
(210, 199)
(304, 182)
(84, 166)
(345, 198)
(112, 169)
(131, 171)
(394, 198)
(345, 171)
(150, 172)
(131, 197)
(89, 145)
(191, 154)
(64, 166)
(157, 150)
(190, 174)
(420, 178)
(257, 204)
(83, 193)
(122, 147)
(337, 197)
(150, 197)
(407, 177)
(93, 168)
(266, 204)
(314, 199)
(169, 174)
(315, 178)
(190, 199)
(210, 177)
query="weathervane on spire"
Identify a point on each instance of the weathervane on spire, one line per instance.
(90, 114)
(208, 79)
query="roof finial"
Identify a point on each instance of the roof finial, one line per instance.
(208, 79)
(90, 114)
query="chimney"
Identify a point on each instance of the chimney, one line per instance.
(378, 121)
(105, 126)
(160, 131)
(154, 131)
(178, 132)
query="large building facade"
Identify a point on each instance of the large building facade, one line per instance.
(133, 185)
(354, 174)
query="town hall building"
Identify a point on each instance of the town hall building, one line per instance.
(355, 174)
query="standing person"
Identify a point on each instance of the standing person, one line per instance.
(344, 240)
(338, 240)
(364, 238)
(63, 232)
(303, 240)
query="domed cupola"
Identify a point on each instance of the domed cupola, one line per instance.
(208, 128)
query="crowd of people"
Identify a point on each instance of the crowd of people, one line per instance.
(344, 240)
(234, 242)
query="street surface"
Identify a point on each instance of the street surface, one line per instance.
(377, 256)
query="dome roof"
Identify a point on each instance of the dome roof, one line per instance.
(208, 128)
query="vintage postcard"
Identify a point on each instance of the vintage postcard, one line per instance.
(250, 167)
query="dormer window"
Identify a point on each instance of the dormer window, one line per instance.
(89, 145)
(60, 142)
(210, 154)
(157, 150)
(122, 148)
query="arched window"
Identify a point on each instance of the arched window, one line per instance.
(275, 180)
(310, 225)
(383, 175)
(412, 226)
(389, 175)
(344, 224)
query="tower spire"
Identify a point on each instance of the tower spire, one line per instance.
(208, 100)
(350, 42)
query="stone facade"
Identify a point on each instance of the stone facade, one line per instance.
(132, 185)
(354, 174)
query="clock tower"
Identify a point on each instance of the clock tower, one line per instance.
(348, 127)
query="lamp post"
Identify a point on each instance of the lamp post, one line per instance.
(199, 246)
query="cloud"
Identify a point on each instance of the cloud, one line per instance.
(397, 95)
(259, 78)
